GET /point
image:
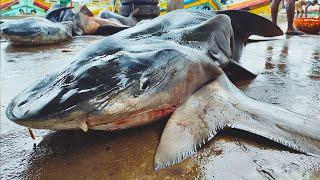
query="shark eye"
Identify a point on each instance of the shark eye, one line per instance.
(144, 83)
(52, 31)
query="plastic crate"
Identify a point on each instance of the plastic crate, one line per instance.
(307, 25)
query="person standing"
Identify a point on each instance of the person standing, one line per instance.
(311, 3)
(290, 15)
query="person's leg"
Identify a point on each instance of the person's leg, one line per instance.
(274, 10)
(290, 14)
(306, 9)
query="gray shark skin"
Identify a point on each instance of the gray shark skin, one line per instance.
(35, 31)
(86, 24)
(175, 65)
(128, 21)
(60, 25)
(59, 13)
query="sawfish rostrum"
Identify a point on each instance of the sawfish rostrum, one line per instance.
(175, 65)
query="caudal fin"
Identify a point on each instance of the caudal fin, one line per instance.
(219, 105)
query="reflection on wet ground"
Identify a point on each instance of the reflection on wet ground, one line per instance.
(289, 76)
(100, 155)
(315, 69)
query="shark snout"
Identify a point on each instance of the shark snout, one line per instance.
(42, 108)
(20, 31)
(43, 113)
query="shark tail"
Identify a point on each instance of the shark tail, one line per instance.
(220, 105)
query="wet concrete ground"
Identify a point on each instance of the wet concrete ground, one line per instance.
(289, 76)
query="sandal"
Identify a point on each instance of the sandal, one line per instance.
(294, 33)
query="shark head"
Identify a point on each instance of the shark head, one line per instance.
(35, 31)
(112, 92)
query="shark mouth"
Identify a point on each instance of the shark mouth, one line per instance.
(85, 121)
(134, 120)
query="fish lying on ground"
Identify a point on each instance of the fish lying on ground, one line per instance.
(88, 24)
(175, 65)
(60, 25)
(56, 27)
(128, 21)
(59, 13)
(36, 30)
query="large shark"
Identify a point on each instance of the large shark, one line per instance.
(35, 31)
(60, 25)
(56, 27)
(177, 65)
(87, 24)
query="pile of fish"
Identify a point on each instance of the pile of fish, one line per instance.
(61, 24)
(177, 65)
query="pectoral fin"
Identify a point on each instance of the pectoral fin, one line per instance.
(191, 125)
(220, 104)
(236, 72)
(109, 30)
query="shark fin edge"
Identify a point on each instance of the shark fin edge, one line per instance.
(189, 128)
(220, 105)
(236, 72)
(246, 24)
(85, 10)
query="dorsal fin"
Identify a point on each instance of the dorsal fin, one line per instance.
(84, 10)
(246, 24)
